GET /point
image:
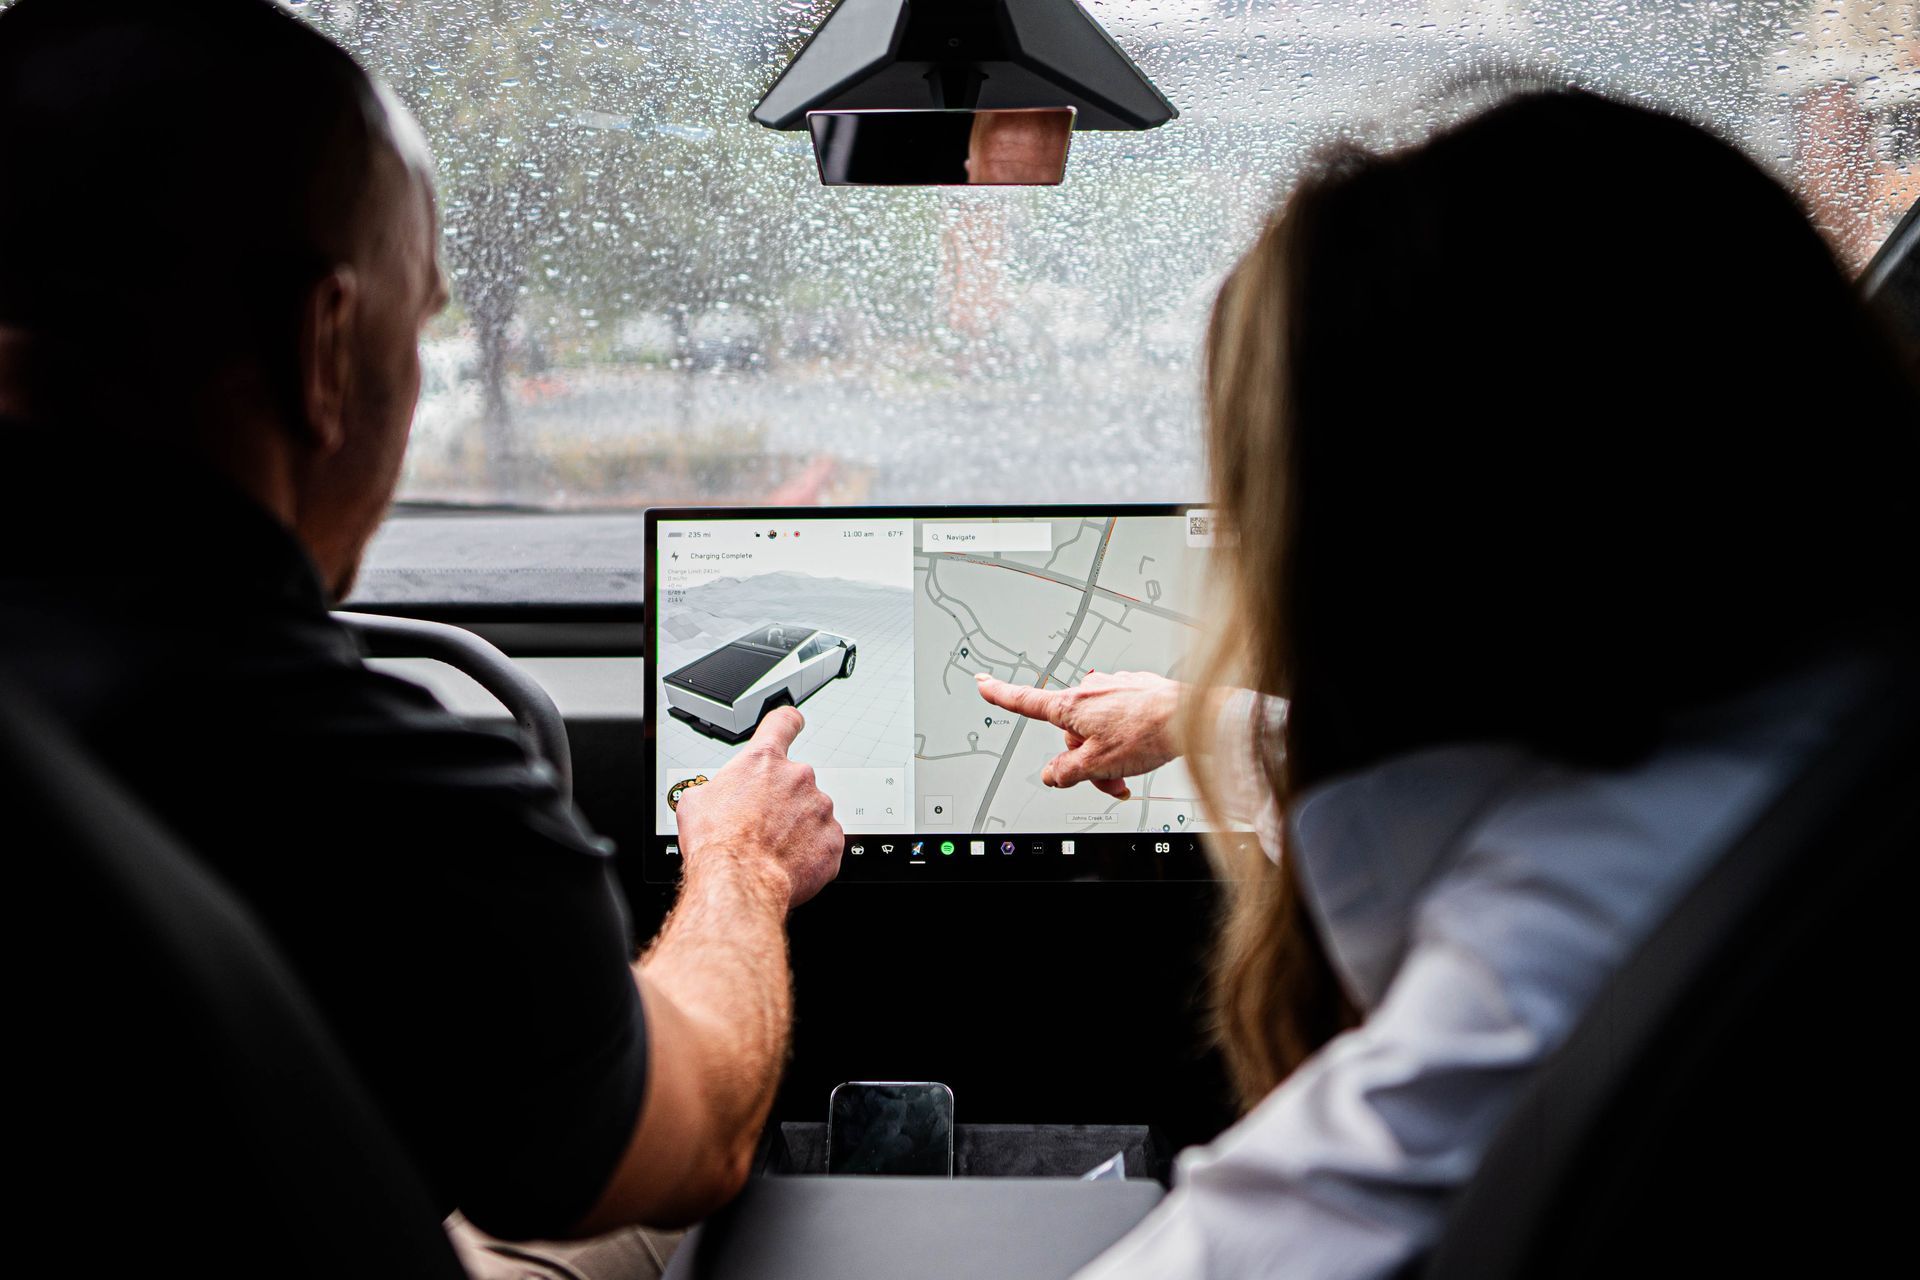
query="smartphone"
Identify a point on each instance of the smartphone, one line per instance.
(891, 1127)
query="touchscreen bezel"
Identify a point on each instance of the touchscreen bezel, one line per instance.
(1123, 855)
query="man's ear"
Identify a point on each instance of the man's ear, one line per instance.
(327, 336)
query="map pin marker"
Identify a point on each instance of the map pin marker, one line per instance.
(1181, 819)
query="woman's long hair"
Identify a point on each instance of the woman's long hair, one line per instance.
(1538, 431)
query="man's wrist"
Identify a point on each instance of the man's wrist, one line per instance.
(756, 874)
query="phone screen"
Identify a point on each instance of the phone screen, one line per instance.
(891, 1127)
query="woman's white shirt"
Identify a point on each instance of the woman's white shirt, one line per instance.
(1473, 899)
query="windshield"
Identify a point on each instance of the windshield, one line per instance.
(655, 301)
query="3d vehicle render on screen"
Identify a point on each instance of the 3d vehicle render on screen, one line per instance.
(725, 693)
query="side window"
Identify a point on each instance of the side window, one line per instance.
(812, 649)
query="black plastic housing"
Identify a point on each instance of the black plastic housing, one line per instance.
(964, 54)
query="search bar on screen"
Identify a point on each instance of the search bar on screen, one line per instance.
(988, 536)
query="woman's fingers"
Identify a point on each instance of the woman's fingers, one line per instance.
(1074, 766)
(1070, 768)
(1116, 725)
(1024, 699)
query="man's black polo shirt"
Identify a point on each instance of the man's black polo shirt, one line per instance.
(454, 919)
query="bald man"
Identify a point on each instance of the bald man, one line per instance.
(217, 252)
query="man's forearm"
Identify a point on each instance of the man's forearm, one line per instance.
(721, 958)
(760, 838)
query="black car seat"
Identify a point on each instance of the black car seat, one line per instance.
(1735, 1102)
(178, 1104)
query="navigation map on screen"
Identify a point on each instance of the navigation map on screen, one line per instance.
(1042, 603)
(874, 626)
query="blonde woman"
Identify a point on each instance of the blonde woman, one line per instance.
(1565, 476)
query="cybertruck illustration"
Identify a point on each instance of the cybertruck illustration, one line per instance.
(725, 693)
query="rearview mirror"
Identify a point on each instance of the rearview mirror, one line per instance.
(1021, 148)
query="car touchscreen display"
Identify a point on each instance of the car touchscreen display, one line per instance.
(874, 622)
